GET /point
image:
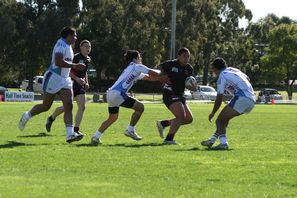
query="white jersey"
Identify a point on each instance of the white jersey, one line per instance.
(65, 49)
(236, 83)
(128, 77)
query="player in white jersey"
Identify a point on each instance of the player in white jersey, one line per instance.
(117, 95)
(237, 84)
(57, 81)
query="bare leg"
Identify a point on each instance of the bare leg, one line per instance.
(81, 104)
(45, 106)
(138, 110)
(109, 121)
(66, 97)
(58, 111)
(178, 110)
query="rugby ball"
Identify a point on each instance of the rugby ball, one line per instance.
(191, 83)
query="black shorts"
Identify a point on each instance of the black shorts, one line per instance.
(78, 89)
(169, 98)
(128, 103)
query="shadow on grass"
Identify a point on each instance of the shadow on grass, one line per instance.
(201, 149)
(34, 136)
(13, 144)
(122, 145)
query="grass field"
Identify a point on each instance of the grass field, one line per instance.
(261, 162)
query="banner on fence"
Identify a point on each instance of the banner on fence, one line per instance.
(19, 96)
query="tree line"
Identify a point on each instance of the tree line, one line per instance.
(265, 50)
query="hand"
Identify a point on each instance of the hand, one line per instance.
(87, 86)
(81, 81)
(210, 116)
(79, 66)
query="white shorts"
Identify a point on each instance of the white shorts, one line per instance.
(53, 83)
(242, 104)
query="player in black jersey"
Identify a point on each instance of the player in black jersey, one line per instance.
(79, 87)
(177, 71)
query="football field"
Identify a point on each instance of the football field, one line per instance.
(261, 162)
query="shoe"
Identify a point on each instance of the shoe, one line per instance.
(207, 143)
(160, 128)
(221, 147)
(132, 134)
(74, 137)
(48, 124)
(80, 135)
(23, 121)
(95, 141)
(170, 142)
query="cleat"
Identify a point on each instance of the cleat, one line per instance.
(160, 128)
(132, 134)
(23, 121)
(48, 124)
(207, 143)
(74, 137)
(95, 141)
(80, 135)
(170, 142)
(220, 147)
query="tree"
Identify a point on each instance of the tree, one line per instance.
(280, 61)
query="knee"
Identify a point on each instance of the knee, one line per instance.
(189, 120)
(68, 106)
(181, 117)
(112, 119)
(140, 108)
(82, 107)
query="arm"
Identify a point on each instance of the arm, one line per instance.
(216, 106)
(60, 62)
(77, 79)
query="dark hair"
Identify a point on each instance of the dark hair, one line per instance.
(131, 55)
(219, 63)
(83, 42)
(67, 31)
(183, 50)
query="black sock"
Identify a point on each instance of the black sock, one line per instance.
(76, 128)
(165, 123)
(51, 119)
(169, 137)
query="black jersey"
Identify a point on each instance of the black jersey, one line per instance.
(177, 75)
(79, 58)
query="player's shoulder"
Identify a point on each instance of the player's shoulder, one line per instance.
(61, 43)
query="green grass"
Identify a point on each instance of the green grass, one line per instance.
(261, 163)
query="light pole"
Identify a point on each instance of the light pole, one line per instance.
(173, 28)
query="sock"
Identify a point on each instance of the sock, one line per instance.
(213, 138)
(28, 115)
(76, 129)
(51, 118)
(69, 129)
(130, 128)
(165, 123)
(169, 137)
(98, 134)
(223, 139)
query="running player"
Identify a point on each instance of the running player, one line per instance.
(117, 95)
(236, 83)
(80, 85)
(57, 81)
(177, 70)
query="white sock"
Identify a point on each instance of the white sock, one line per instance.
(223, 139)
(213, 138)
(131, 128)
(98, 134)
(28, 115)
(69, 129)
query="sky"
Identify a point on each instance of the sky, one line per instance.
(260, 8)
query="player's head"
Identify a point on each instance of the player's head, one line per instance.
(183, 56)
(69, 34)
(133, 56)
(85, 47)
(218, 65)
